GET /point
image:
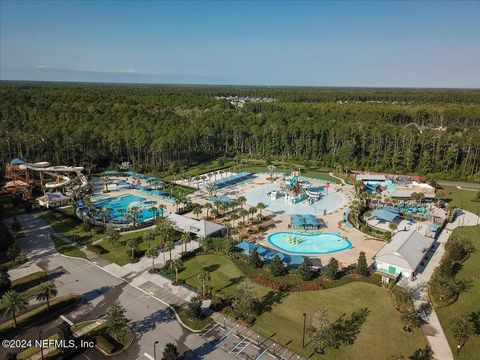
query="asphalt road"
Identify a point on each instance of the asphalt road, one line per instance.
(150, 319)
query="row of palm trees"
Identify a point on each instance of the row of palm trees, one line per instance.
(13, 303)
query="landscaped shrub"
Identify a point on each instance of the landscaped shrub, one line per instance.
(402, 298)
(103, 343)
(458, 249)
(39, 313)
(194, 308)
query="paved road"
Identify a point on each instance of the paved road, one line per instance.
(150, 318)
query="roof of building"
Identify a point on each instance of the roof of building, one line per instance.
(374, 177)
(201, 228)
(301, 220)
(53, 197)
(18, 161)
(245, 246)
(385, 213)
(407, 193)
(406, 249)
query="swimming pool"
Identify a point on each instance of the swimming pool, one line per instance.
(119, 206)
(320, 243)
(328, 202)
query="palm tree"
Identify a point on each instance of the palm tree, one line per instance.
(12, 304)
(260, 206)
(176, 264)
(105, 181)
(133, 245)
(197, 211)
(234, 216)
(169, 246)
(104, 213)
(47, 291)
(211, 188)
(134, 211)
(148, 238)
(177, 202)
(185, 239)
(252, 211)
(241, 200)
(204, 277)
(209, 207)
(217, 204)
(154, 210)
(162, 207)
(197, 180)
(243, 213)
(152, 253)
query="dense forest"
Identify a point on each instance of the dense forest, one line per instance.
(162, 127)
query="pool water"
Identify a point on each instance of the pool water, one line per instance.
(320, 243)
(328, 202)
(117, 204)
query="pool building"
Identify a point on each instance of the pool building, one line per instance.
(403, 255)
(304, 222)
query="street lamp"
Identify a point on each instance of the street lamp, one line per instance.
(155, 350)
(304, 328)
(41, 345)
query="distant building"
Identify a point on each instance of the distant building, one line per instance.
(53, 200)
(402, 255)
(370, 177)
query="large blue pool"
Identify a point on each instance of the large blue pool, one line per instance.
(117, 204)
(321, 243)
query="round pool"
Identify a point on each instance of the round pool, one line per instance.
(319, 243)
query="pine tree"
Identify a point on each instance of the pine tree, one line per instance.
(305, 270)
(276, 267)
(332, 269)
(362, 266)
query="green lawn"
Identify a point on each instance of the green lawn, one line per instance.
(193, 324)
(205, 167)
(225, 275)
(119, 254)
(381, 335)
(178, 191)
(70, 228)
(68, 249)
(462, 198)
(468, 301)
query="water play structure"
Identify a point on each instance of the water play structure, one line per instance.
(23, 176)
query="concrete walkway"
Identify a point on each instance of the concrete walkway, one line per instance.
(433, 328)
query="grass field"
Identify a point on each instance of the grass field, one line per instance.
(68, 249)
(381, 335)
(119, 254)
(70, 228)
(468, 301)
(225, 275)
(462, 198)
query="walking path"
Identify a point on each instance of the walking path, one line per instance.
(433, 328)
(236, 341)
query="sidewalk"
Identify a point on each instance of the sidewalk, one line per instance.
(433, 328)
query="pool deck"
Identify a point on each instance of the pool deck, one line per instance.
(277, 222)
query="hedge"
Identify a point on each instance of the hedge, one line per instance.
(39, 313)
(27, 282)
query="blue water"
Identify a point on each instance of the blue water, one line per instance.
(123, 202)
(328, 202)
(321, 243)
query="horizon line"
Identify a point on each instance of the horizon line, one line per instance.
(239, 85)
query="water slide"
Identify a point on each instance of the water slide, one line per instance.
(292, 182)
(58, 172)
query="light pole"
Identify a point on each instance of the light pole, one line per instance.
(155, 350)
(304, 328)
(41, 344)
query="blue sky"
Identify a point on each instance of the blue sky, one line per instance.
(380, 43)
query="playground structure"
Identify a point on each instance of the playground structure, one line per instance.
(22, 177)
(298, 190)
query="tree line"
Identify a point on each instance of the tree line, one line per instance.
(98, 126)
